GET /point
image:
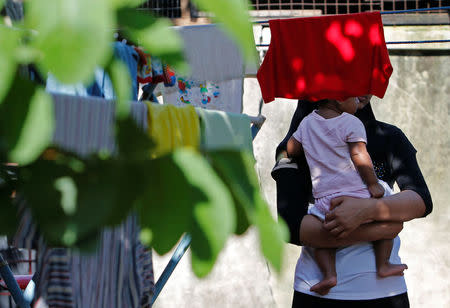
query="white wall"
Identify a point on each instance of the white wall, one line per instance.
(417, 101)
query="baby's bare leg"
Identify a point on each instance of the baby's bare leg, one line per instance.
(383, 250)
(326, 260)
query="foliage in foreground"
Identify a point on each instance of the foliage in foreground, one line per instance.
(211, 194)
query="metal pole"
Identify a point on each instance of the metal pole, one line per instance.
(12, 285)
(176, 257)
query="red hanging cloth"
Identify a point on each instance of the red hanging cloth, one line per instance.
(333, 57)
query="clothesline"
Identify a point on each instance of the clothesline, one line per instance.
(384, 12)
(393, 42)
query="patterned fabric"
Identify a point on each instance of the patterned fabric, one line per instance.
(152, 70)
(216, 73)
(120, 273)
(224, 95)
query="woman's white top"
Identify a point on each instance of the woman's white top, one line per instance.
(356, 274)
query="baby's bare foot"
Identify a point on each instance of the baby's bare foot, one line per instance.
(389, 269)
(324, 286)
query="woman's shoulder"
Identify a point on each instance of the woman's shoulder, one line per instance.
(388, 129)
(393, 137)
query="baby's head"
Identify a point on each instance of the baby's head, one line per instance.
(349, 105)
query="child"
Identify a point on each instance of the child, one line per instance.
(334, 143)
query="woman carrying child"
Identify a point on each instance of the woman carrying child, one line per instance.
(334, 143)
(358, 284)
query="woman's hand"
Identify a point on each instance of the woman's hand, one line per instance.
(313, 234)
(347, 214)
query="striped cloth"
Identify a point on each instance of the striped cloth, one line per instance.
(120, 273)
(85, 124)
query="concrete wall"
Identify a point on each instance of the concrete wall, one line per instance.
(417, 101)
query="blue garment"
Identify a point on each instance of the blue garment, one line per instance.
(102, 85)
(129, 56)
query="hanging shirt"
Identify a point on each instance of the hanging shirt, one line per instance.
(172, 127)
(333, 57)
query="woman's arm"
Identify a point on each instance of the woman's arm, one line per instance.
(349, 213)
(413, 201)
(313, 234)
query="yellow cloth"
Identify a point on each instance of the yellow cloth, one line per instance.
(172, 127)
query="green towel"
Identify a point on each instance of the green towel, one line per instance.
(223, 130)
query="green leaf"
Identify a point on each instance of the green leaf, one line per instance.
(8, 210)
(26, 121)
(155, 35)
(71, 204)
(166, 205)
(9, 40)
(233, 15)
(237, 170)
(120, 77)
(8, 218)
(73, 36)
(214, 217)
(184, 194)
(126, 3)
(37, 185)
(134, 144)
(107, 191)
(272, 235)
(68, 190)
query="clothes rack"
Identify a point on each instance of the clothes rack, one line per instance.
(392, 43)
(442, 8)
(23, 299)
(265, 22)
(185, 242)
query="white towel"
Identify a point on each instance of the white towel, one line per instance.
(211, 54)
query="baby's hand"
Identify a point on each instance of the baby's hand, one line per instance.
(376, 190)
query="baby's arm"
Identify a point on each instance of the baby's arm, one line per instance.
(294, 148)
(363, 163)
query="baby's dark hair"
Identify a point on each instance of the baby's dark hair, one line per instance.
(324, 102)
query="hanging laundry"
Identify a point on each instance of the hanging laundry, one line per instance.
(130, 57)
(335, 57)
(120, 273)
(223, 95)
(85, 124)
(102, 84)
(217, 70)
(171, 127)
(152, 70)
(221, 130)
(212, 55)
